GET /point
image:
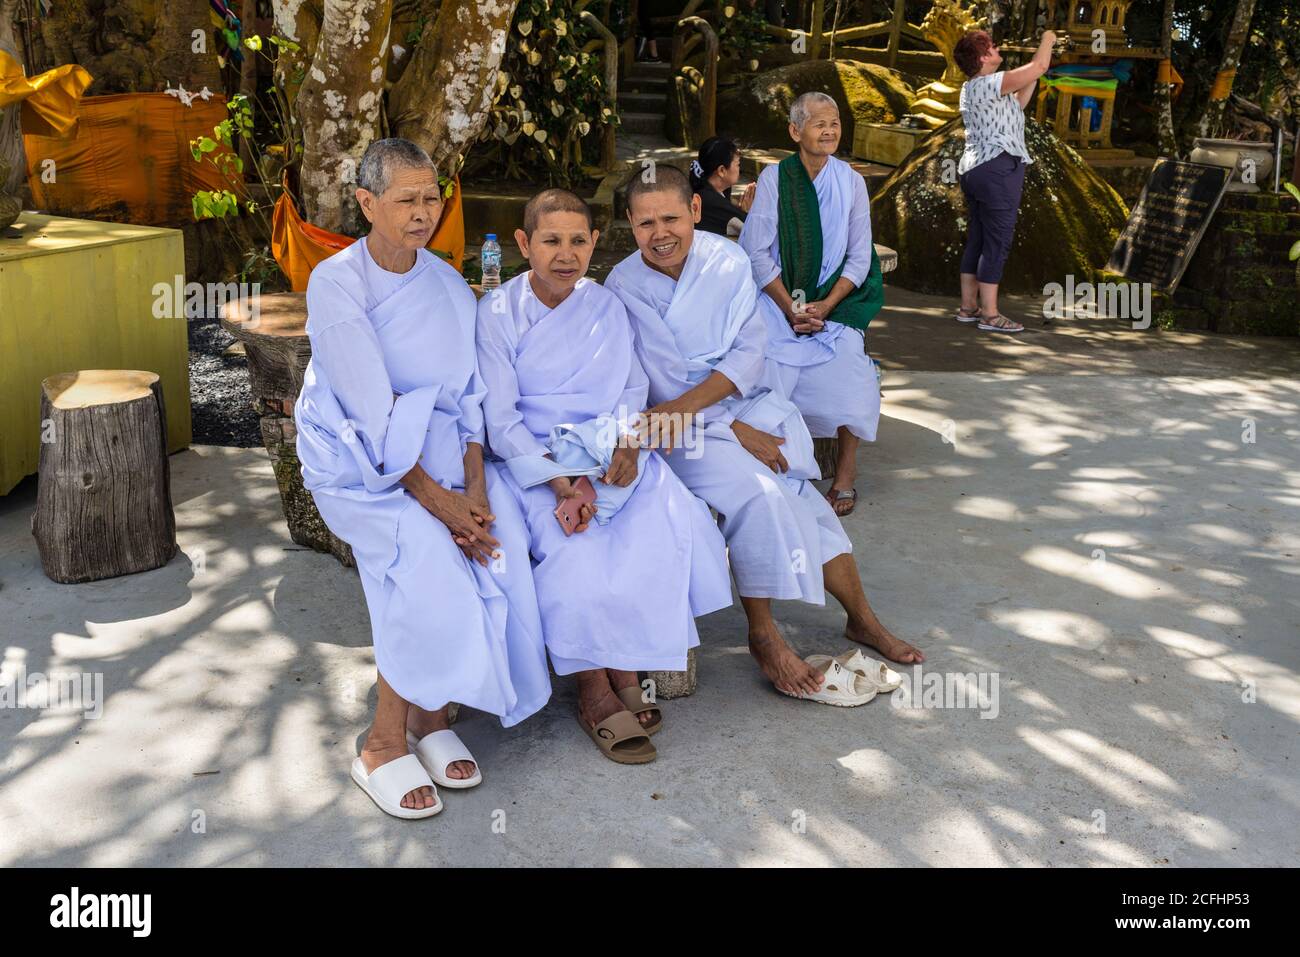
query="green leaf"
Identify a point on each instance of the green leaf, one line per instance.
(253, 43)
(1295, 251)
(1294, 191)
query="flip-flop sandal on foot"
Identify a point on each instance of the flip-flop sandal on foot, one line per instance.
(842, 687)
(621, 738)
(387, 784)
(634, 700)
(878, 674)
(438, 751)
(842, 495)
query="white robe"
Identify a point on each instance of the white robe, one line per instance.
(445, 628)
(828, 375)
(624, 593)
(779, 529)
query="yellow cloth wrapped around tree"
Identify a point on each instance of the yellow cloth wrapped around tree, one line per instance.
(49, 99)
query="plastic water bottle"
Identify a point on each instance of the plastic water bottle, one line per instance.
(490, 256)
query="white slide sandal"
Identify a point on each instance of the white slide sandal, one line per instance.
(882, 677)
(437, 751)
(842, 688)
(387, 784)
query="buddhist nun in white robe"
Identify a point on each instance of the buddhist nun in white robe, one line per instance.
(693, 305)
(563, 382)
(808, 237)
(391, 394)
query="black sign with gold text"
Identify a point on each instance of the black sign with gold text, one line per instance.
(1171, 215)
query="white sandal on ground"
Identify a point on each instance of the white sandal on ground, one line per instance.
(437, 752)
(387, 784)
(842, 687)
(878, 674)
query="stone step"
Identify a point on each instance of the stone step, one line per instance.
(641, 102)
(661, 69)
(619, 238)
(642, 122)
(643, 84)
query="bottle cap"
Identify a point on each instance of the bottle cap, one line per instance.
(491, 235)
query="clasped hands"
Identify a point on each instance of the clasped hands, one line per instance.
(466, 515)
(621, 472)
(805, 318)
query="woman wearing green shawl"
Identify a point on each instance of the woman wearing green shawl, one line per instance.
(808, 236)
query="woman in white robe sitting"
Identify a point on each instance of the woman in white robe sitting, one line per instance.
(390, 435)
(808, 236)
(620, 590)
(692, 302)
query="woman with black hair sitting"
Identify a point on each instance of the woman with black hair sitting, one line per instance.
(713, 173)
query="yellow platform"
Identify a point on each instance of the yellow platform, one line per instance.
(77, 294)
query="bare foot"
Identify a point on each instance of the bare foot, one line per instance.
(783, 667)
(842, 506)
(618, 680)
(594, 710)
(877, 636)
(422, 723)
(416, 800)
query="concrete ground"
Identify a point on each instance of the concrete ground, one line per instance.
(1104, 522)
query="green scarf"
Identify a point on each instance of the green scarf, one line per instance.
(799, 229)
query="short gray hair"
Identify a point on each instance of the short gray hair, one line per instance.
(803, 105)
(383, 156)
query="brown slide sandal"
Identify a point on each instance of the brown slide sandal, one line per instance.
(633, 701)
(621, 738)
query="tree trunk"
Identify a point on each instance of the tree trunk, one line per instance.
(111, 38)
(442, 99)
(1212, 120)
(1165, 136)
(13, 162)
(340, 108)
(172, 48)
(299, 21)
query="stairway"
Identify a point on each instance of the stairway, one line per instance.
(643, 98)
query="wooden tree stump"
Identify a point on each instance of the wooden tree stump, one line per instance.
(103, 500)
(675, 684)
(273, 330)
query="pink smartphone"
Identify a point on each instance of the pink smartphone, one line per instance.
(569, 511)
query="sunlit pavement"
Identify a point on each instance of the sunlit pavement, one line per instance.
(1098, 526)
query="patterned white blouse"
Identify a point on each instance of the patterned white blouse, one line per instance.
(994, 122)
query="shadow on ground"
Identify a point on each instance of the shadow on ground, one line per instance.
(1119, 545)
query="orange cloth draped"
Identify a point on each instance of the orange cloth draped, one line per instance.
(49, 99)
(128, 160)
(298, 246)
(1166, 73)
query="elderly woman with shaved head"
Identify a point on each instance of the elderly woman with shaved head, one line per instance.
(808, 236)
(390, 435)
